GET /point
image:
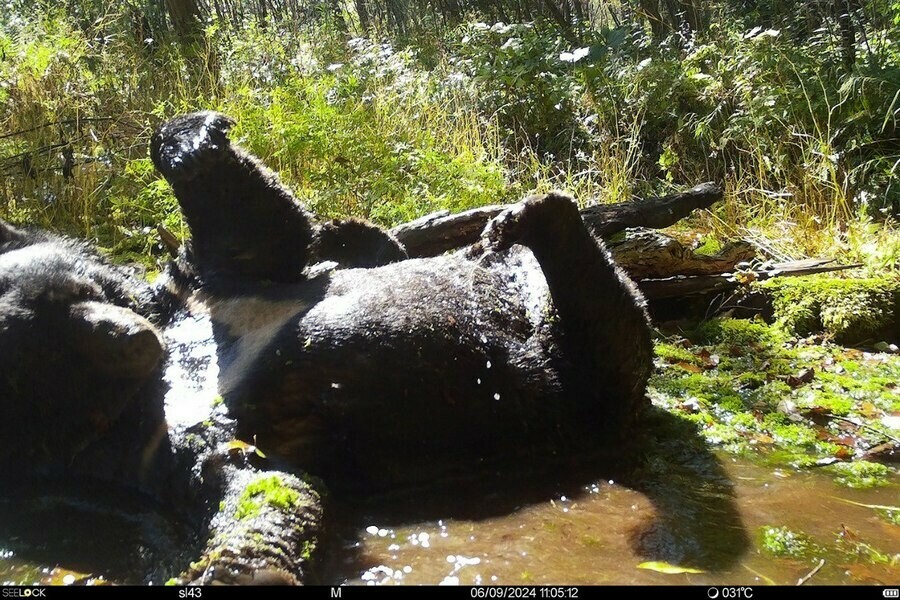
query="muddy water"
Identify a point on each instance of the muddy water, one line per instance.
(600, 532)
(78, 534)
(708, 517)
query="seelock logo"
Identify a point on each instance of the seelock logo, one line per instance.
(23, 592)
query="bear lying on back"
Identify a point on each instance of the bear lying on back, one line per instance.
(535, 345)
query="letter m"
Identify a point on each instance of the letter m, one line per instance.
(335, 592)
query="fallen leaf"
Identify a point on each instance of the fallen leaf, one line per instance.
(817, 414)
(691, 405)
(843, 440)
(668, 569)
(762, 438)
(787, 407)
(886, 452)
(844, 453)
(869, 410)
(801, 378)
(238, 447)
(689, 367)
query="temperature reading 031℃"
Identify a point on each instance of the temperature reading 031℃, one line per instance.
(730, 593)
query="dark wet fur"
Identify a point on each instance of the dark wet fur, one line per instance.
(375, 381)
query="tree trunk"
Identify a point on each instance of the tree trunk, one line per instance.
(661, 266)
(363, 14)
(186, 18)
(843, 12)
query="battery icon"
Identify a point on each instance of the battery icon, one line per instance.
(891, 593)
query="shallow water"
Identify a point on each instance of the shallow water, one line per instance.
(602, 531)
(192, 371)
(595, 533)
(83, 534)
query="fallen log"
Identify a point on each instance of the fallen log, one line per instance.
(440, 232)
(648, 254)
(681, 285)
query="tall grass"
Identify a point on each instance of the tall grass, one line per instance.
(490, 114)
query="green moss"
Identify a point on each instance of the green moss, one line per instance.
(794, 434)
(791, 457)
(758, 398)
(676, 354)
(769, 395)
(834, 404)
(723, 434)
(266, 491)
(744, 421)
(785, 543)
(850, 310)
(751, 380)
(707, 388)
(860, 474)
(741, 333)
(709, 246)
(307, 550)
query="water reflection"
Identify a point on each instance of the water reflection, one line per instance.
(680, 504)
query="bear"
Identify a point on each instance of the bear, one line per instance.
(335, 353)
(529, 346)
(83, 428)
(77, 338)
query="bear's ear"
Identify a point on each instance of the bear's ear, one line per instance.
(115, 340)
(8, 233)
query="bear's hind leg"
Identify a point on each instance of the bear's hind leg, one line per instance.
(604, 325)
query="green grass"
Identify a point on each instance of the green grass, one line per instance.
(466, 119)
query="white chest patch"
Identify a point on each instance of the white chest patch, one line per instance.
(253, 322)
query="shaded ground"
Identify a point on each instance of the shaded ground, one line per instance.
(767, 454)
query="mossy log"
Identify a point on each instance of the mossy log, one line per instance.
(662, 267)
(440, 232)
